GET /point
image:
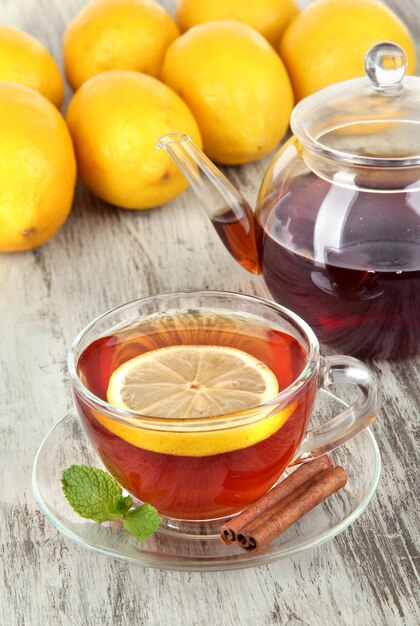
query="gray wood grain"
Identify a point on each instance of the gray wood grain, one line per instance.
(103, 256)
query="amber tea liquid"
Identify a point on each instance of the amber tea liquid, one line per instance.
(189, 487)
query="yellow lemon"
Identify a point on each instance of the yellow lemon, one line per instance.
(268, 17)
(191, 381)
(198, 381)
(235, 85)
(117, 34)
(116, 119)
(328, 41)
(37, 168)
(23, 59)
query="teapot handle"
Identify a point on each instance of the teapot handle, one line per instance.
(347, 424)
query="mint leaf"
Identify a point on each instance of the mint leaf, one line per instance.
(94, 494)
(142, 521)
(121, 505)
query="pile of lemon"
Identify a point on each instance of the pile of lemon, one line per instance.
(229, 81)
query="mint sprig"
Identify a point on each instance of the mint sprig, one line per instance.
(94, 494)
(142, 521)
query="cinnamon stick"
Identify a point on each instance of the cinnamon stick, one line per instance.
(315, 491)
(265, 518)
(228, 532)
(276, 508)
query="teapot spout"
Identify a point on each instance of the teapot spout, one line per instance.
(230, 213)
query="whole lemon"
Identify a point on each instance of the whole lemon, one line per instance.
(37, 168)
(235, 85)
(328, 41)
(23, 59)
(116, 119)
(268, 17)
(117, 34)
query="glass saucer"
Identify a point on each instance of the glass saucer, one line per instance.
(67, 444)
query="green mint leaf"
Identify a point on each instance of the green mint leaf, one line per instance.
(122, 505)
(142, 521)
(94, 494)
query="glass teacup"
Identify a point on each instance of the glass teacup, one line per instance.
(211, 466)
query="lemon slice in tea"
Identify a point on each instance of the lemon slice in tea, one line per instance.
(191, 381)
(184, 382)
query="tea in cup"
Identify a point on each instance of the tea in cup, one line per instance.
(196, 402)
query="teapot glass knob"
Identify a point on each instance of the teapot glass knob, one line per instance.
(386, 65)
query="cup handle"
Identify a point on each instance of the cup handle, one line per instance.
(348, 423)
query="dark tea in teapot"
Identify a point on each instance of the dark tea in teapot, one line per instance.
(238, 235)
(364, 297)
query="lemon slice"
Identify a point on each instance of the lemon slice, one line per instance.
(191, 381)
(180, 382)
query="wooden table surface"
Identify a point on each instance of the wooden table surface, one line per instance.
(104, 257)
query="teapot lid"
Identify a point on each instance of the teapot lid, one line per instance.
(374, 120)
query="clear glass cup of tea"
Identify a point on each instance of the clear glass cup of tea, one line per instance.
(197, 402)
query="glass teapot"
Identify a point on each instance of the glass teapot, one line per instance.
(336, 232)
